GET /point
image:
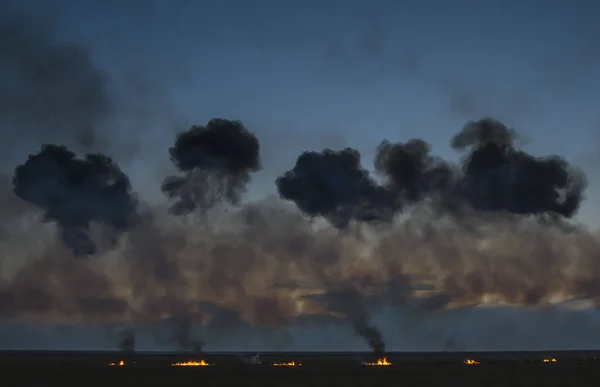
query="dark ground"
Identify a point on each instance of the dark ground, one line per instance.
(571, 369)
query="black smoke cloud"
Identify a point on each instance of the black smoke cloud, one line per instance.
(492, 177)
(411, 172)
(498, 177)
(216, 161)
(332, 184)
(76, 192)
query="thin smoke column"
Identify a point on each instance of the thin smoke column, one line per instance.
(216, 161)
(127, 342)
(76, 192)
(371, 334)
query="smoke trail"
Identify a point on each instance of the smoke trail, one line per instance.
(371, 334)
(76, 192)
(183, 337)
(217, 160)
(127, 342)
(353, 308)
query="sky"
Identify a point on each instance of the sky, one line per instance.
(314, 74)
(306, 75)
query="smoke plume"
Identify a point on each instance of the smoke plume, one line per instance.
(372, 335)
(183, 337)
(216, 161)
(127, 342)
(265, 264)
(333, 184)
(76, 192)
(498, 177)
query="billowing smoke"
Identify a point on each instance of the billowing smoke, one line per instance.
(333, 184)
(264, 264)
(76, 192)
(499, 177)
(412, 173)
(493, 177)
(216, 161)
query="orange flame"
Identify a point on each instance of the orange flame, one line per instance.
(470, 361)
(380, 362)
(119, 364)
(553, 360)
(287, 364)
(200, 363)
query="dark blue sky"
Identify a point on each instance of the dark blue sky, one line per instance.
(333, 73)
(312, 74)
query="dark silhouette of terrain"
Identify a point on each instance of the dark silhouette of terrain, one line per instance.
(330, 369)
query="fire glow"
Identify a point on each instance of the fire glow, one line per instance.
(200, 363)
(471, 362)
(287, 364)
(553, 360)
(119, 364)
(379, 362)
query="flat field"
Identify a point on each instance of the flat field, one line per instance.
(569, 369)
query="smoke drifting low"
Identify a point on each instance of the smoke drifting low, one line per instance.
(266, 264)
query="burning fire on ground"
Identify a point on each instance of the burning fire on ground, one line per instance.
(119, 364)
(379, 362)
(552, 360)
(471, 362)
(287, 364)
(200, 363)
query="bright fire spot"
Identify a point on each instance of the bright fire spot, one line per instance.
(287, 364)
(200, 363)
(119, 364)
(553, 360)
(379, 362)
(470, 361)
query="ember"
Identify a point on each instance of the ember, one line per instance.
(200, 363)
(119, 364)
(470, 361)
(553, 360)
(379, 362)
(288, 364)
